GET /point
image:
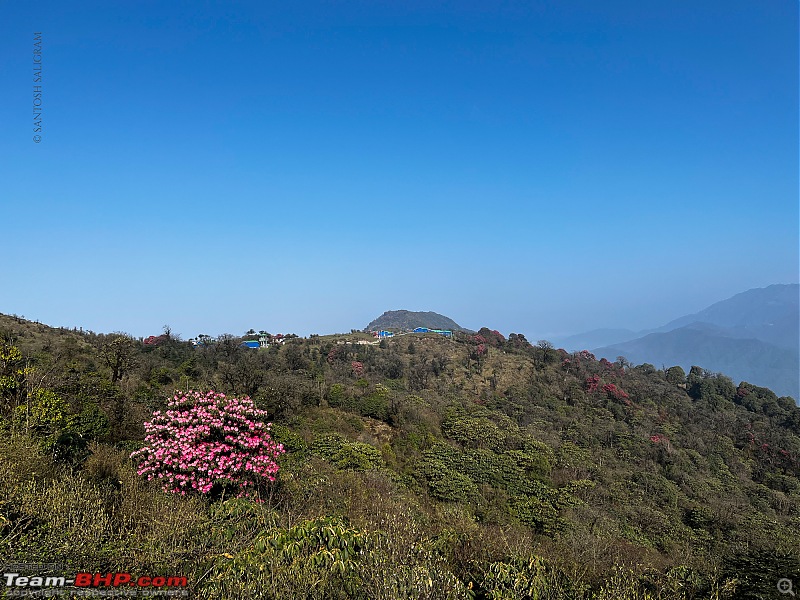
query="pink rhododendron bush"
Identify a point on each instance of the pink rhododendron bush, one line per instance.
(209, 443)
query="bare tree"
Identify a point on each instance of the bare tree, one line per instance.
(547, 350)
(118, 351)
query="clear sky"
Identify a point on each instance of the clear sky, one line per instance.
(535, 167)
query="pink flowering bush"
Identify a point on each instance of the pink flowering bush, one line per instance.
(614, 392)
(209, 441)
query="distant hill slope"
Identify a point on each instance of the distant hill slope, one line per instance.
(407, 319)
(713, 348)
(753, 336)
(594, 338)
(769, 314)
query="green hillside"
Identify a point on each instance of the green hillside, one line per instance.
(420, 467)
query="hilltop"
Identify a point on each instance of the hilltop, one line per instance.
(408, 320)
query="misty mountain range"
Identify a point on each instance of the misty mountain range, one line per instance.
(753, 336)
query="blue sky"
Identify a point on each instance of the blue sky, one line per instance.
(535, 167)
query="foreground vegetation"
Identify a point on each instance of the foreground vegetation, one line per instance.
(480, 467)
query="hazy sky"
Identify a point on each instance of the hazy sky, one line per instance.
(535, 167)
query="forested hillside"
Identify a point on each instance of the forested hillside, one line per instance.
(422, 467)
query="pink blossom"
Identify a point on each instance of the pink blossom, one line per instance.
(179, 449)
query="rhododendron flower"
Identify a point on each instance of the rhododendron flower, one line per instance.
(209, 441)
(614, 392)
(591, 383)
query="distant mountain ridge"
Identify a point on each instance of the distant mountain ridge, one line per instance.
(407, 319)
(753, 336)
(594, 338)
(770, 314)
(750, 360)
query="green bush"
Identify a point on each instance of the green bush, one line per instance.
(529, 578)
(445, 483)
(345, 454)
